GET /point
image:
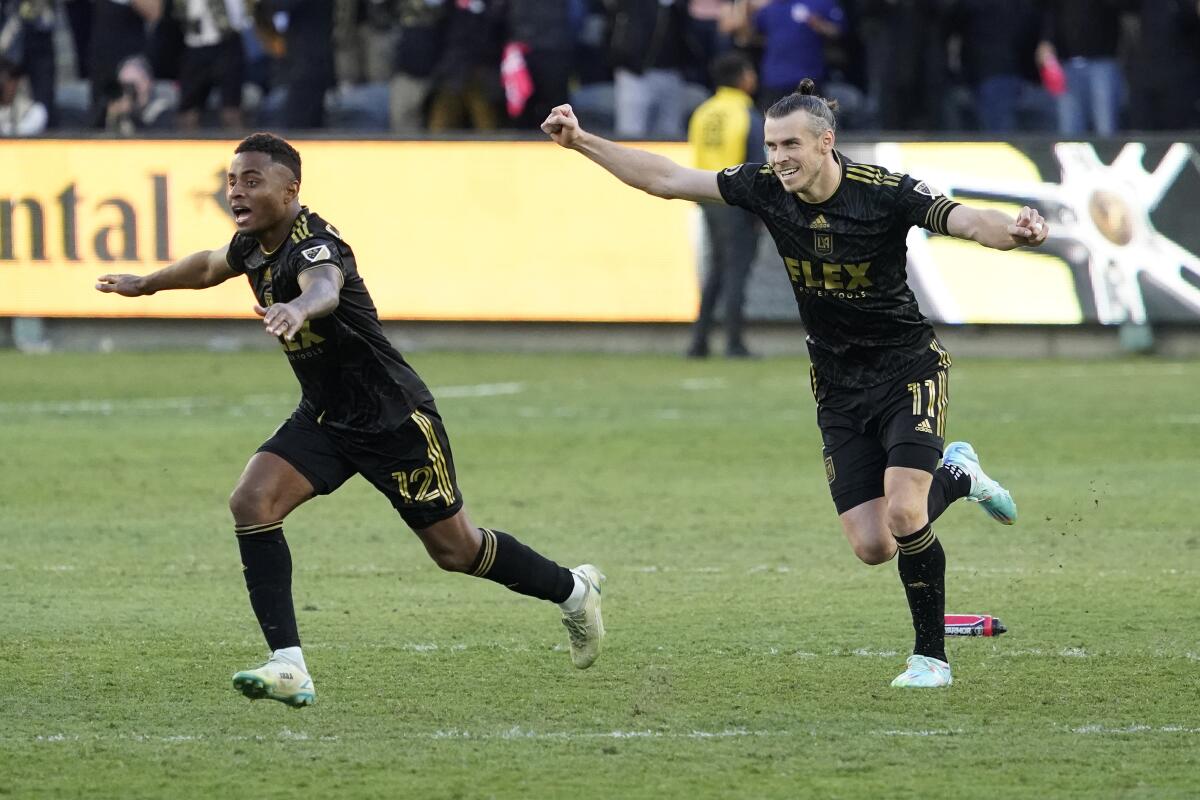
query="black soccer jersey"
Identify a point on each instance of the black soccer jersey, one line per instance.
(847, 260)
(350, 374)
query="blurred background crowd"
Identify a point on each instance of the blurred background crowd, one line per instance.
(636, 68)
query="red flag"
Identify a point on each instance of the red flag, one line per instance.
(514, 75)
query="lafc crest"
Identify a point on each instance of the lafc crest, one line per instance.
(823, 243)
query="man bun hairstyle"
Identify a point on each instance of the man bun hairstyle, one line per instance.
(805, 98)
(274, 146)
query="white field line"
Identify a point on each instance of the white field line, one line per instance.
(187, 404)
(702, 384)
(518, 733)
(1128, 729)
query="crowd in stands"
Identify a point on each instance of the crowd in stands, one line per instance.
(636, 68)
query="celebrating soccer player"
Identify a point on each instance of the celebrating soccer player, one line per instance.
(879, 375)
(362, 410)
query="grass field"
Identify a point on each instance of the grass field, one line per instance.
(748, 653)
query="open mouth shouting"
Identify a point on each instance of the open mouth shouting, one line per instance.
(241, 214)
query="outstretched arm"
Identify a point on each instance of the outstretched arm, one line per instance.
(652, 173)
(320, 290)
(197, 271)
(996, 229)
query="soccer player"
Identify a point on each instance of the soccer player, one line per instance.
(362, 410)
(879, 375)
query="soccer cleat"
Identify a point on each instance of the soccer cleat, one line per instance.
(991, 496)
(278, 679)
(585, 628)
(924, 673)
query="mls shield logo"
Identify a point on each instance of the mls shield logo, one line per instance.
(318, 253)
(823, 243)
(927, 190)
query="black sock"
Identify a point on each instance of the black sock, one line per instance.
(950, 483)
(506, 561)
(267, 564)
(922, 565)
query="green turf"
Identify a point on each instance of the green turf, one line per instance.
(748, 654)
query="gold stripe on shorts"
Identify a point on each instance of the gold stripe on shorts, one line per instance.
(436, 457)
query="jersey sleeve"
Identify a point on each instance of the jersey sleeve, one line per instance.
(745, 185)
(920, 204)
(318, 251)
(239, 247)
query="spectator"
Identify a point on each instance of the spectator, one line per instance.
(794, 35)
(28, 25)
(118, 32)
(1083, 36)
(904, 44)
(421, 30)
(466, 82)
(704, 18)
(726, 130)
(364, 37)
(213, 59)
(143, 105)
(20, 114)
(996, 40)
(545, 28)
(649, 49)
(307, 28)
(1167, 75)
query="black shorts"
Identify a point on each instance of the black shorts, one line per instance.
(219, 66)
(900, 423)
(412, 464)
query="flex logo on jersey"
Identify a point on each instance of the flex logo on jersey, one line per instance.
(847, 277)
(303, 341)
(318, 253)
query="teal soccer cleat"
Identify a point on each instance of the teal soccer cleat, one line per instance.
(991, 496)
(924, 672)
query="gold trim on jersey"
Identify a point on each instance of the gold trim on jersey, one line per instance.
(489, 553)
(866, 173)
(436, 458)
(939, 214)
(300, 230)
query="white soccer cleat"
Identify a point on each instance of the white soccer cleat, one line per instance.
(924, 672)
(278, 679)
(585, 627)
(991, 496)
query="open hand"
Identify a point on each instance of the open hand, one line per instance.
(281, 319)
(124, 285)
(1030, 229)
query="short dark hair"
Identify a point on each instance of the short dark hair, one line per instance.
(805, 98)
(728, 68)
(275, 146)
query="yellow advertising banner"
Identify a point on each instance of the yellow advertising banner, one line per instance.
(441, 230)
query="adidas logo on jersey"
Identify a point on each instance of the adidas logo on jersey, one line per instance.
(820, 223)
(924, 427)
